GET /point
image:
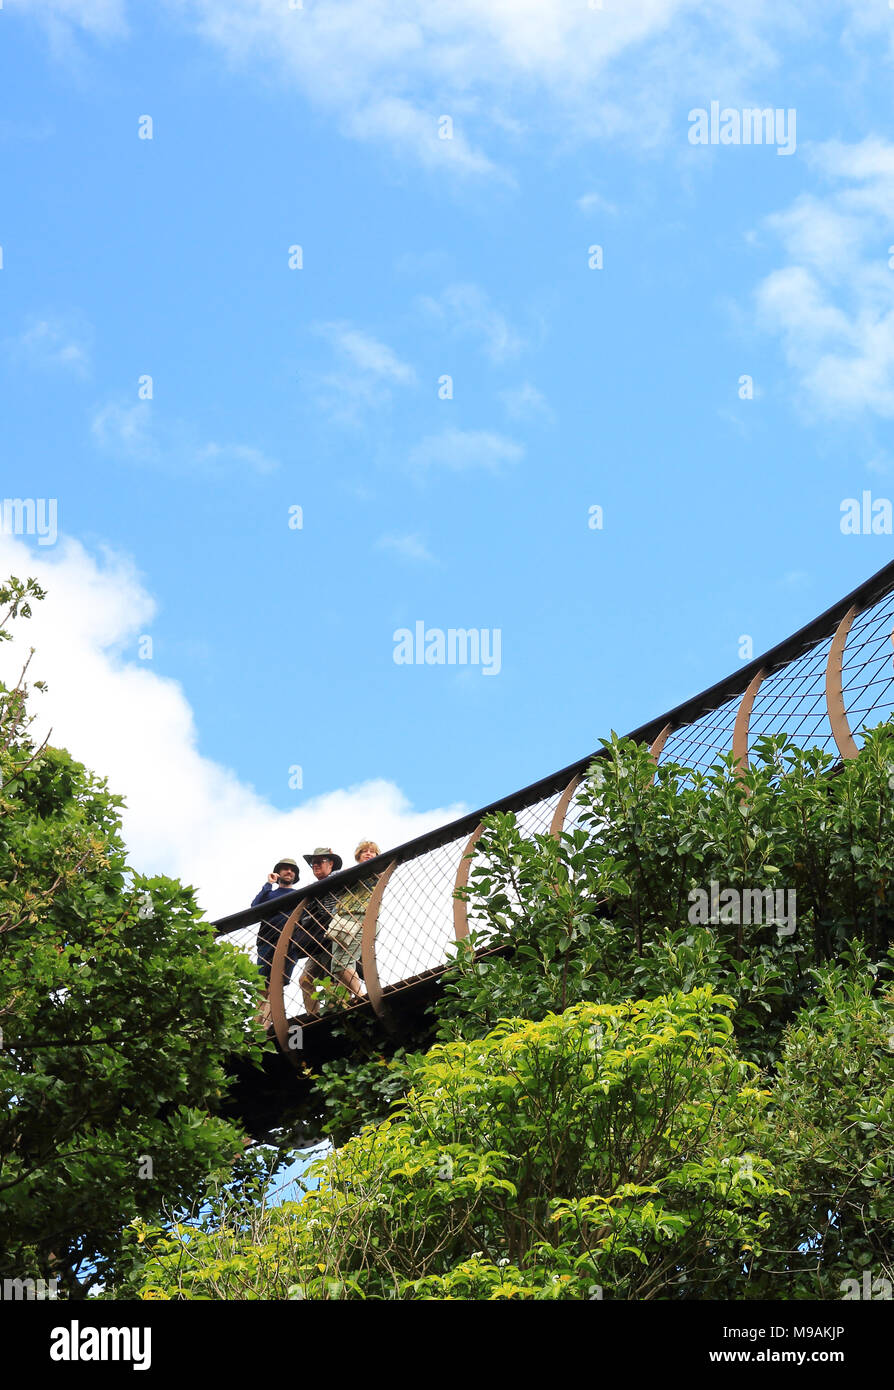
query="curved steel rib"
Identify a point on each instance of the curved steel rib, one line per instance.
(368, 941)
(743, 719)
(841, 729)
(561, 811)
(276, 990)
(659, 741)
(460, 908)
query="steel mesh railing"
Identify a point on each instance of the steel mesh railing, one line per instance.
(820, 687)
(416, 920)
(793, 701)
(697, 745)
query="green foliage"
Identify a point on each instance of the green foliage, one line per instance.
(592, 1154)
(358, 1089)
(118, 1011)
(226, 1227)
(605, 911)
(626, 1102)
(829, 1133)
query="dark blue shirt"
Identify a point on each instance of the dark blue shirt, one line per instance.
(271, 890)
(267, 894)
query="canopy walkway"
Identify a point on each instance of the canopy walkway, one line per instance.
(820, 687)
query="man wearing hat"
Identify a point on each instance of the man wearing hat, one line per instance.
(282, 880)
(316, 917)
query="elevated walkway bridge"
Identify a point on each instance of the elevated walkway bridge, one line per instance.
(820, 687)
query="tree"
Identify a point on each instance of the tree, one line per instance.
(118, 1011)
(613, 908)
(629, 1095)
(829, 1135)
(588, 1155)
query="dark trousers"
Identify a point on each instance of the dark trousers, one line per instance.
(268, 935)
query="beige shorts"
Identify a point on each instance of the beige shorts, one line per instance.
(346, 936)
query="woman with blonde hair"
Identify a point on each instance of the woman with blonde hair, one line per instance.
(345, 930)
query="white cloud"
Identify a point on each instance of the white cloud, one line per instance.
(137, 434)
(126, 429)
(459, 450)
(65, 23)
(525, 402)
(466, 310)
(363, 383)
(395, 121)
(101, 17)
(51, 343)
(225, 455)
(186, 815)
(386, 70)
(872, 21)
(594, 202)
(408, 547)
(346, 397)
(367, 353)
(833, 303)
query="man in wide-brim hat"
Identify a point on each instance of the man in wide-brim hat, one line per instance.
(318, 910)
(320, 856)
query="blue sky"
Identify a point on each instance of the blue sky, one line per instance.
(318, 387)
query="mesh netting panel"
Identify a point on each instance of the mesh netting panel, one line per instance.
(581, 802)
(698, 745)
(415, 926)
(292, 995)
(868, 669)
(477, 923)
(244, 939)
(535, 819)
(793, 701)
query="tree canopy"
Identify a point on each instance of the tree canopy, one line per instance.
(117, 1012)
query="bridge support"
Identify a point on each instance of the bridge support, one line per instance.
(276, 989)
(368, 943)
(841, 729)
(743, 719)
(658, 743)
(557, 823)
(460, 908)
